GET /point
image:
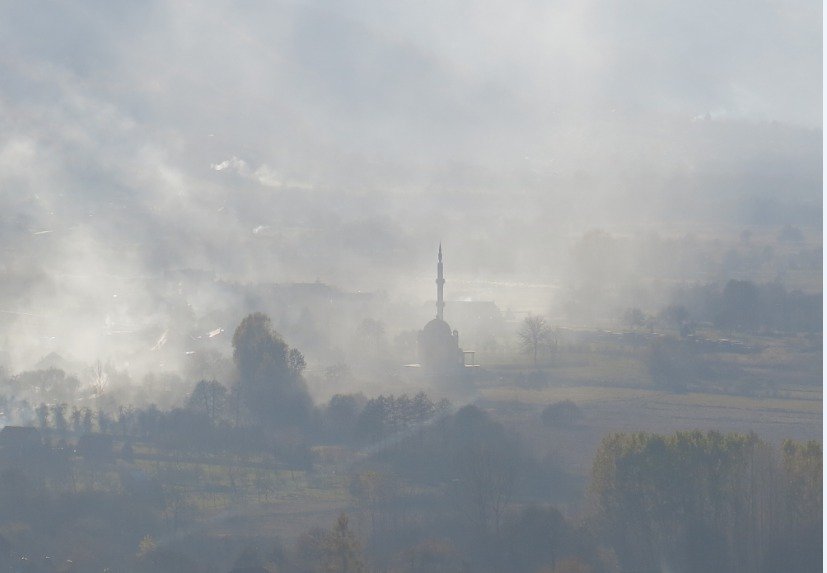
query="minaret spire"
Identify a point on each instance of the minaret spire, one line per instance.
(440, 304)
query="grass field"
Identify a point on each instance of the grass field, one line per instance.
(773, 390)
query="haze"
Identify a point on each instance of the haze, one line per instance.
(279, 142)
(629, 201)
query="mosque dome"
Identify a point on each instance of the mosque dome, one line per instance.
(438, 346)
(437, 328)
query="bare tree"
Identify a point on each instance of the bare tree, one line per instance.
(535, 335)
(100, 378)
(487, 478)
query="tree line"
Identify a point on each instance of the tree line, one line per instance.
(706, 501)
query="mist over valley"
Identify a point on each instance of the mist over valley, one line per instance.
(436, 287)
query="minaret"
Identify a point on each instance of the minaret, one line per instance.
(440, 304)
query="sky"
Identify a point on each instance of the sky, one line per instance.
(302, 141)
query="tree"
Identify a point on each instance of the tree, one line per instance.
(310, 550)
(104, 422)
(373, 491)
(209, 397)
(535, 335)
(86, 422)
(740, 306)
(334, 551)
(384, 415)
(42, 412)
(487, 462)
(563, 413)
(296, 361)
(59, 416)
(99, 378)
(51, 385)
(540, 539)
(76, 419)
(270, 384)
(799, 545)
(700, 501)
(675, 315)
(342, 414)
(256, 346)
(344, 551)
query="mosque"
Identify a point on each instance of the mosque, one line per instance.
(438, 345)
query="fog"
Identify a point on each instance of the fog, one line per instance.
(219, 227)
(300, 142)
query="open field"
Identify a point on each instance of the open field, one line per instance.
(769, 385)
(617, 409)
